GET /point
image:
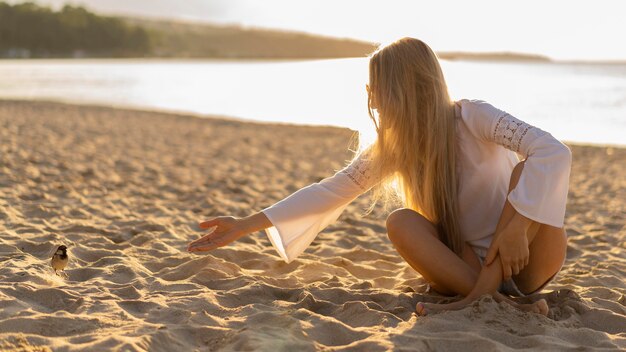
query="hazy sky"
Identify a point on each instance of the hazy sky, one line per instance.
(562, 29)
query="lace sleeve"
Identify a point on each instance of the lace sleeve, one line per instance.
(510, 132)
(298, 218)
(359, 171)
(541, 192)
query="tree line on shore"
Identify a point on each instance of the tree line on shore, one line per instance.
(30, 30)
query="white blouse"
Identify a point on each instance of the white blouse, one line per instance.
(488, 143)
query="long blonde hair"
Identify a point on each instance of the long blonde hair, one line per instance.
(416, 135)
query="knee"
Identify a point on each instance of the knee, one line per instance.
(515, 175)
(404, 219)
(397, 217)
(558, 239)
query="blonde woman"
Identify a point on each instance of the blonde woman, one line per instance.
(476, 220)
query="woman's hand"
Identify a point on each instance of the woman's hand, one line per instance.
(512, 245)
(225, 229)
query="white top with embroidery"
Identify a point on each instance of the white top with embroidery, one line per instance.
(488, 143)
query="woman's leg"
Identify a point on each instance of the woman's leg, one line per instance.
(488, 281)
(547, 247)
(417, 241)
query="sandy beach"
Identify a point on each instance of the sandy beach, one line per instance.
(125, 189)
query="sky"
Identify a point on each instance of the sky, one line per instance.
(560, 29)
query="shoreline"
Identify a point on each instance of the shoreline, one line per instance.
(188, 114)
(173, 113)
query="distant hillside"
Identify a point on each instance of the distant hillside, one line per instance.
(29, 30)
(176, 39)
(498, 56)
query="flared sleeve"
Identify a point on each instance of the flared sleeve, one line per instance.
(298, 218)
(541, 192)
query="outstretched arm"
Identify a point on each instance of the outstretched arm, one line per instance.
(297, 219)
(292, 223)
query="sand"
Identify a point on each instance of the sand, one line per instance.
(125, 189)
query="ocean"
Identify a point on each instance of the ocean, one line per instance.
(575, 102)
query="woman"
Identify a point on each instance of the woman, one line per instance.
(475, 220)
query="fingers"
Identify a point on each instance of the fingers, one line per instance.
(208, 241)
(202, 247)
(205, 243)
(506, 271)
(196, 246)
(510, 268)
(219, 235)
(198, 243)
(515, 269)
(491, 253)
(212, 230)
(210, 237)
(199, 240)
(519, 265)
(209, 223)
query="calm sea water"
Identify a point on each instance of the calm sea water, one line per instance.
(575, 102)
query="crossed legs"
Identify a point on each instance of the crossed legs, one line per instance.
(417, 241)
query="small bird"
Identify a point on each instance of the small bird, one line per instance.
(59, 259)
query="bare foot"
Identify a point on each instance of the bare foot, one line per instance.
(539, 307)
(420, 309)
(423, 308)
